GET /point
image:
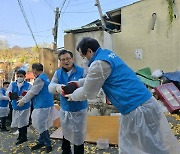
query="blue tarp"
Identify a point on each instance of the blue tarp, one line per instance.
(173, 76)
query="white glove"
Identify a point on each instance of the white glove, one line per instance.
(20, 102)
(59, 88)
(69, 97)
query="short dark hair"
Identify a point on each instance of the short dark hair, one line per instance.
(88, 42)
(62, 52)
(21, 72)
(37, 66)
(6, 82)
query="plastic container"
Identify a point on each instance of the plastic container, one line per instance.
(102, 143)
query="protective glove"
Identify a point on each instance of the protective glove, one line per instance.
(75, 83)
(68, 97)
(20, 102)
(20, 97)
(24, 93)
(70, 88)
(59, 89)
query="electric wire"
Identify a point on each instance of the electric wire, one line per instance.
(27, 22)
(32, 15)
(48, 5)
(12, 32)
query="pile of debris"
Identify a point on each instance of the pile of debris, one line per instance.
(164, 86)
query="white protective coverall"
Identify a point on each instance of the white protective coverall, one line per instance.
(72, 123)
(4, 111)
(145, 130)
(20, 118)
(42, 118)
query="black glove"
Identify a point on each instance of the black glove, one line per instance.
(69, 89)
(13, 96)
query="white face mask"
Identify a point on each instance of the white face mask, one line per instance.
(20, 79)
(35, 75)
(85, 60)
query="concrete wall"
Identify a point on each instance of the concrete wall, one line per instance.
(157, 49)
(71, 41)
(49, 60)
(160, 47)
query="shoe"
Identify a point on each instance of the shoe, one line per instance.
(18, 138)
(48, 149)
(21, 140)
(37, 146)
(65, 152)
(16, 132)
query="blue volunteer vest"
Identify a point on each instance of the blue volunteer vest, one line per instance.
(3, 103)
(123, 88)
(24, 87)
(63, 78)
(44, 99)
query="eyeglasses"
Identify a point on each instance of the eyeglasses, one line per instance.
(65, 59)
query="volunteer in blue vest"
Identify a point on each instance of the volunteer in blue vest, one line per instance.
(42, 114)
(73, 115)
(143, 126)
(4, 105)
(20, 115)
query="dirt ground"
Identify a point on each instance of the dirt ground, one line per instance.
(8, 140)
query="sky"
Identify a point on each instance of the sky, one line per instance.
(40, 15)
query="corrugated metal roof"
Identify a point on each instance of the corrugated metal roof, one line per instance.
(95, 25)
(89, 27)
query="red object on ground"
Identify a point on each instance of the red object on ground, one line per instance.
(170, 95)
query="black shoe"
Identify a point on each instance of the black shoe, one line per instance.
(21, 140)
(18, 138)
(66, 152)
(37, 146)
(48, 149)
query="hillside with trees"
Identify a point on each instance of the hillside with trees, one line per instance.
(15, 57)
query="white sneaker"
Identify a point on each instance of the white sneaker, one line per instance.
(16, 132)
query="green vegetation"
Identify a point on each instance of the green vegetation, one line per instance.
(170, 11)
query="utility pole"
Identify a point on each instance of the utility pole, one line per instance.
(100, 13)
(55, 30)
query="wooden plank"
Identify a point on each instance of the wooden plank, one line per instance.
(105, 127)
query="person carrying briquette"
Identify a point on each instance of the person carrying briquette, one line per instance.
(43, 113)
(144, 128)
(20, 115)
(4, 105)
(73, 115)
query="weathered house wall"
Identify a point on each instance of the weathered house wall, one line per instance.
(160, 47)
(104, 38)
(49, 60)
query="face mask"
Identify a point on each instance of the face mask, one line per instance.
(35, 75)
(20, 79)
(85, 61)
